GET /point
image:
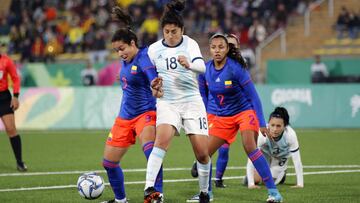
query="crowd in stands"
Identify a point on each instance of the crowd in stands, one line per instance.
(348, 24)
(39, 30)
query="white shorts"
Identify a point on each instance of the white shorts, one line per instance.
(278, 168)
(190, 115)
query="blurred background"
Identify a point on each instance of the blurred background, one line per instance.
(302, 54)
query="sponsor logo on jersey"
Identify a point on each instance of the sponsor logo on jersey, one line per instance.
(228, 84)
(217, 79)
(133, 69)
(355, 104)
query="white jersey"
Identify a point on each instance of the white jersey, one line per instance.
(277, 154)
(179, 83)
(280, 149)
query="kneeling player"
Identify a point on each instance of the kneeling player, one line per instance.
(277, 148)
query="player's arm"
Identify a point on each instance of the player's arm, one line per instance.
(296, 158)
(16, 84)
(298, 169)
(249, 89)
(149, 69)
(197, 63)
(204, 91)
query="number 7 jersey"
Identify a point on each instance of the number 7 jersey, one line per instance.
(179, 83)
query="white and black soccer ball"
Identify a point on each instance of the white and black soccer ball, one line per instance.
(90, 185)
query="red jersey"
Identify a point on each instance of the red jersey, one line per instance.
(7, 66)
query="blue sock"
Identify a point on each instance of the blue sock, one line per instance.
(222, 161)
(147, 148)
(116, 178)
(262, 167)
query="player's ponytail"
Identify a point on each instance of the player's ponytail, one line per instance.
(235, 54)
(281, 112)
(124, 33)
(172, 14)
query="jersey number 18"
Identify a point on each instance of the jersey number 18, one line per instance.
(171, 63)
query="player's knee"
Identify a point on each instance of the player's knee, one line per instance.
(11, 131)
(203, 158)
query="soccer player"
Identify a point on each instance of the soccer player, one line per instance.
(234, 105)
(9, 104)
(223, 152)
(178, 59)
(137, 114)
(277, 148)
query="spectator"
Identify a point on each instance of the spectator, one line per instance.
(37, 49)
(89, 75)
(150, 27)
(257, 33)
(342, 22)
(319, 72)
(98, 52)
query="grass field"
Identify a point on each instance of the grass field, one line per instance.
(55, 159)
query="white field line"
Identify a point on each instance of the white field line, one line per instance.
(165, 169)
(171, 181)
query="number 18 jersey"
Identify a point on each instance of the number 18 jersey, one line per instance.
(179, 83)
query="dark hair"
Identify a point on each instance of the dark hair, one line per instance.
(281, 112)
(124, 33)
(233, 53)
(172, 14)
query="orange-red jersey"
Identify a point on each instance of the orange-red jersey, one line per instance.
(7, 66)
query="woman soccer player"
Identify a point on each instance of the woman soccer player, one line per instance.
(223, 151)
(235, 105)
(178, 59)
(277, 148)
(9, 104)
(137, 112)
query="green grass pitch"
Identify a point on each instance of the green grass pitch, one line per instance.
(333, 154)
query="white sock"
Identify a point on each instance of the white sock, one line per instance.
(204, 172)
(121, 201)
(153, 166)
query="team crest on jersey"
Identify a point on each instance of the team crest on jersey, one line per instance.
(133, 69)
(217, 79)
(228, 84)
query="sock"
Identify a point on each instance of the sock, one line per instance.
(147, 148)
(153, 166)
(222, 161)
(116, 178)
(210, 176)
(204, 173)
(262, 168)
(16, 146)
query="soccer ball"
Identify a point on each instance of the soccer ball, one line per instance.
(90, 185)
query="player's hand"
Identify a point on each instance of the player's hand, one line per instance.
(251, 187)
(265, 132)
(156, 87)
(14, 103)
(157, 93)
(297, 186)
(183, 61)
(156, 83)
(118, 77)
